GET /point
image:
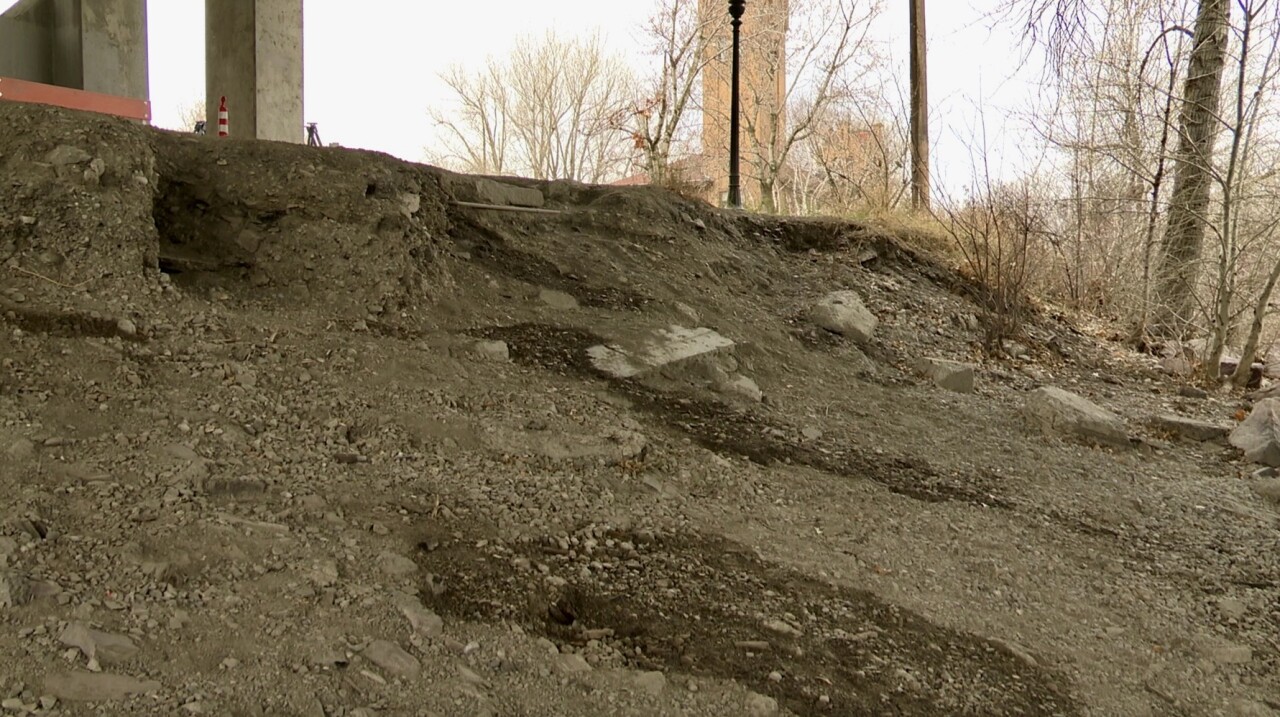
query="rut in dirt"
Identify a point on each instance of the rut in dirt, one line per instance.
(705, 607)
(725, 429)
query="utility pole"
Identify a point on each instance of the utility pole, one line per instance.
(736, 8)
(919, 109)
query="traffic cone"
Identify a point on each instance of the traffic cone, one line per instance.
(224, 127)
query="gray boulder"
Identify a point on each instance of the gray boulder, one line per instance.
(951, 375)
(1259, 434)
(1054, 410)
(843, 312)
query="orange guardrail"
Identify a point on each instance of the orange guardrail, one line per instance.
(40, 93)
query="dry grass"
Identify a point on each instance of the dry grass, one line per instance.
(919, 231)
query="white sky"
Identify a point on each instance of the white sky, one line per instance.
(372, 67)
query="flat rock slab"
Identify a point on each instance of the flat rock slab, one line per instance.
(1259, 434)
(79, 686)
(491, 192)
(392, 659)
(1189, 428)
(1056, 411)
(951, 375)
(843, 312)
(662, 348)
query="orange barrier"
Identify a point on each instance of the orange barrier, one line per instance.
(39, 93)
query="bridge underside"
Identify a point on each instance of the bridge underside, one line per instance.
(253, 56)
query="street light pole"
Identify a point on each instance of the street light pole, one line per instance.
(736, 8)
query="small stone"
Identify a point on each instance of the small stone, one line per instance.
(392, 659)
(127, 328)
(653, 682)
(64, 155)
(811, 433)
(743, 387)
(105, 647)
(15, 590)
(781, 628)
(951, 375)
(13, 704)
(21, 449)
(570, 663)
(48, 702)
(843, 312)
(493, 350)
(1242, 707)
(1231, 655)
(396, 565)
(1232, 608)
(423, 621)
(775, 676)
(1198, 394)
(1268, 489)
(558, 300)
(81, 686)
(759, 705)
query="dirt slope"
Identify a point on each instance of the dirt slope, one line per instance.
(262, 453)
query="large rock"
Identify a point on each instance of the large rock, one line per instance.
(951, 375)
(843, 312)
(1057, 411)
(1259, 434)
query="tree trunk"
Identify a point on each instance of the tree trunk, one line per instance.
(919, 110)
(768, 203)
(1184, 237)
(1241, 377)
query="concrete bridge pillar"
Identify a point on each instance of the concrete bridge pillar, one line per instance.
(94, 45)
(253, 57)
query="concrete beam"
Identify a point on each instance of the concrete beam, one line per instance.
(253, 57)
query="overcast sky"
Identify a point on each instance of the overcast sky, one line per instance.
(372, 73)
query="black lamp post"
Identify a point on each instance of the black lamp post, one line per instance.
(736, 7)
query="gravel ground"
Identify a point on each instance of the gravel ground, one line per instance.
(286, 431)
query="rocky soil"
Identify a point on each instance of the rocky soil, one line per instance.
(303, 431)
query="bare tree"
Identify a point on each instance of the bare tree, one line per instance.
(191, 113)
(681, 35)
(804, 55)
(554, 109)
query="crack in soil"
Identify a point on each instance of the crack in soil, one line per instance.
(707, 607)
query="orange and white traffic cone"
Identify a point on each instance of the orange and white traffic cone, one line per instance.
(224, 127)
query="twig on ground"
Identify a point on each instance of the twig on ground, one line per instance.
(55, 282)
